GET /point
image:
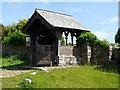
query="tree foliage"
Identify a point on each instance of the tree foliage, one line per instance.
(21, 23)
(12, 34)
(117, 36)
(104, 43)
(62, 41)
(15, 38)
(87, 38)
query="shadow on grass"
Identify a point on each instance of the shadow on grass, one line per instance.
(108, 68)
(13, 62)
(13, 67)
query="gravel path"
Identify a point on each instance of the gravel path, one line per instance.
(10, 73)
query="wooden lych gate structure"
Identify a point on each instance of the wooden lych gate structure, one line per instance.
(45, 29)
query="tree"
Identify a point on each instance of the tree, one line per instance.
(21, 23)
(15, 38)
(104, 43)
(62, 41)
(6, 30)
(87, 38)
(12, 34)
(117, 36)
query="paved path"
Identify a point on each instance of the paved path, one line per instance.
(10, 73)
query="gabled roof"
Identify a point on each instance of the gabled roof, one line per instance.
(60, 20)
(53, 20)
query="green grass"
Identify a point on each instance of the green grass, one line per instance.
(74, 77)
(11, 62)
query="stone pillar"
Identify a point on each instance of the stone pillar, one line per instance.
(88, 53)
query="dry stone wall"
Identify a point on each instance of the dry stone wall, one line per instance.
(68, 55)
(73, 55)
(115, 59)
(99, 54)
(16, 50)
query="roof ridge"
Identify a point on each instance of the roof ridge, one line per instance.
(53, 12)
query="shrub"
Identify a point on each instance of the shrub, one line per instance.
(62, 41)
(104, 43)
(87, 38)
(12, 34)
(15, 38)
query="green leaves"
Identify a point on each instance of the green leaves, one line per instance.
(117, 36)
(104, 43)
(87, 38)
(62, 41)
(15, 38)
(12, 34)
(21, 23)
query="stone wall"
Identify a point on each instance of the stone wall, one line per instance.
(67, 60)
(66, 50)
(115, 59)
(83, 54)
(105, 55)
(16, 50)
(67, 55)
(73, 55)
(99, 54)
(70, 51)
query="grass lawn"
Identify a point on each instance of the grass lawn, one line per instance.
(74, 77)
(11, 62)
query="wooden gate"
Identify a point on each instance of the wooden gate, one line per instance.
(45, 54)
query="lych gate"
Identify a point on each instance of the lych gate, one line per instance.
(45, 29)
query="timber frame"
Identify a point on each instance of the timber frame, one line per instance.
(45, 33)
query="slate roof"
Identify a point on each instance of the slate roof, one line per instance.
(60, 20)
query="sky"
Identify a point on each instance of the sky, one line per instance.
(101, 18)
